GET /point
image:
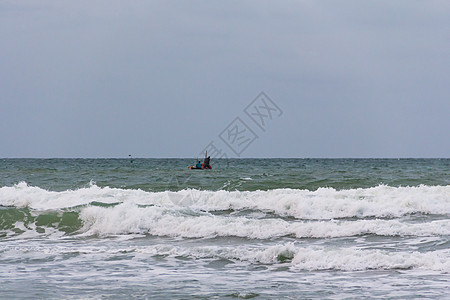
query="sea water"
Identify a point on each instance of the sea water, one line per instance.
(249, 228)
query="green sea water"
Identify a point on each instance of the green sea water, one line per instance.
(227, 174)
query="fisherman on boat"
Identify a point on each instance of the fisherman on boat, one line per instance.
(198, 165)
(206, 163)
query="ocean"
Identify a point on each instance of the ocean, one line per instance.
(248, 228)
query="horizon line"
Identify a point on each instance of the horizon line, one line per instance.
(132, 157)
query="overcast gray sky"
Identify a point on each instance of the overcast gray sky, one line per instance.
(166, 78)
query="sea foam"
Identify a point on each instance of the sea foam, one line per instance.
(129, 218)
(297, 258)
(323, 203)
(324, 213)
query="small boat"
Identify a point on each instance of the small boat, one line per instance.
(202, 168)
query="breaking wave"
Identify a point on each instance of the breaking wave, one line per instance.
(297, 258)
(322, 213)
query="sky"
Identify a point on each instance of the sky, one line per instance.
(307, 79)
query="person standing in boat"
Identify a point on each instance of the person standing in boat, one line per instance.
(206, 163)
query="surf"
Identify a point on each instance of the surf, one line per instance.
(323, 213)
(323, 203)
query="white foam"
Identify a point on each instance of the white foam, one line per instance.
(324, 203)
(356, 259)
(129, 218)
(315, 258)
(22, 195)
(297, 258)
(328, 203)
